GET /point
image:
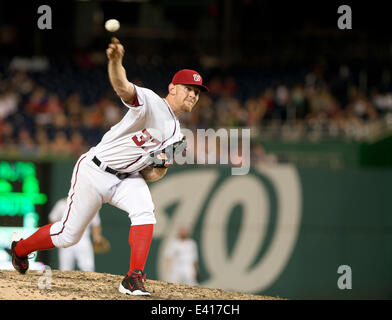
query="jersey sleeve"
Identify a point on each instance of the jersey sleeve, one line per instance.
(138, 100)
(137, 108)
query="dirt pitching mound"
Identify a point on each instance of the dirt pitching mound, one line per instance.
(79, 285)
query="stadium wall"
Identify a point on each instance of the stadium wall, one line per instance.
(332, 153)
(280, 230)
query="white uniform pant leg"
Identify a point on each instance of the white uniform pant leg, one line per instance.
(66, 259)
(84, 254)
(83, 202)
(133, 196)
(184, 275)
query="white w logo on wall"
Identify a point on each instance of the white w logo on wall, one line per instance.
(271, 212)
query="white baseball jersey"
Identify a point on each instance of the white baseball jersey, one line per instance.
(149, 125)
(183, 256)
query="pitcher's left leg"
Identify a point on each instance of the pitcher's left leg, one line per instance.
(133, 196)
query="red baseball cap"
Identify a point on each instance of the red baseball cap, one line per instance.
(187, 76)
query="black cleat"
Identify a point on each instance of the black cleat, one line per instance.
(133, 284)
(20, 264)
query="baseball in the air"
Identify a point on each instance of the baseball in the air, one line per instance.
(112, 25)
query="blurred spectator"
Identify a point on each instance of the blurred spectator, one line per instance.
(91, 118)
(360, 106)
(226, 107)
(204, 117)
(230, 86)
(6, 134)
(60, 120)
(54, 105)
(237, 116)
(254, 111)
(299, 102)
(21, 83)
(74, 110)
(215, 86)
(43, 142)
(27, 145)
(266, 100)
(60, 145)
(382, 101)
(37, 103)
(181, 259)
(282, 99)
(8, 102)
(109, 112)
(77, 144)
(258, 156)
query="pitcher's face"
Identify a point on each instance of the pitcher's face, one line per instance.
(187, 96)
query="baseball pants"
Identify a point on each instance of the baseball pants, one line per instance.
(90, 188)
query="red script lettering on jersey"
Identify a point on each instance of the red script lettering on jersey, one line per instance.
(139, 141)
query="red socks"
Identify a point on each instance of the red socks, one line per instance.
(40, 240)
(139, 239)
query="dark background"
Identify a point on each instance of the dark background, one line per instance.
(237, 31)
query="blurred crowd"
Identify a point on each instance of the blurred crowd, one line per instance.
(35, 121)
(336, 107)
(44, 113)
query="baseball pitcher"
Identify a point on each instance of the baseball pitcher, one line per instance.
(135, 150)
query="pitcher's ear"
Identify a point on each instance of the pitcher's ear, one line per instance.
(172, 88)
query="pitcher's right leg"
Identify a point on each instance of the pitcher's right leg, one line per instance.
(83, 202)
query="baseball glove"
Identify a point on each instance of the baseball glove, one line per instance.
(102, 246)
(162, 158)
